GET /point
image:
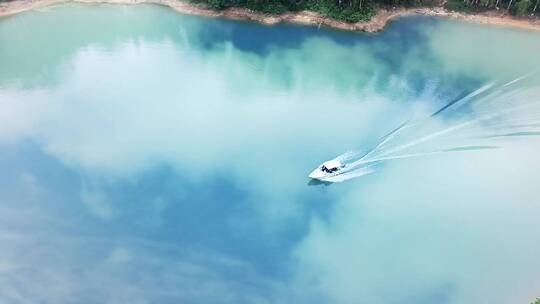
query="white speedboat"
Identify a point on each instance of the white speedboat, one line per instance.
(327, 170)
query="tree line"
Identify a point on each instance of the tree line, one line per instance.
(515, 7)
(362, 10)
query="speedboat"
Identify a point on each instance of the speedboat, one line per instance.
(327, 170)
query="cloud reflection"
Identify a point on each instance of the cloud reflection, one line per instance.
(164, 170)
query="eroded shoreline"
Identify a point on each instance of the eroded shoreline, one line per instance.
(376, 24)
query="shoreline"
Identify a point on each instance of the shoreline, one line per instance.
(378, 22)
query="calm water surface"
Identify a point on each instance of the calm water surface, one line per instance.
(152, 157)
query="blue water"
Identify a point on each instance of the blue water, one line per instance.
(153, 157)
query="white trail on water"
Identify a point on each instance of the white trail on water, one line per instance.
(493, 112)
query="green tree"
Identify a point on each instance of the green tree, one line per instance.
(361, 10)
(522, 7)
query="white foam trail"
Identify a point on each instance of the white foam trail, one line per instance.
(502, 110)
(468, 97)
(386, 139)
(400, 157)
(482, 89)
(390, 136)
(352, 167)
(518, 79)
(351, 174)
(429, 137)
(347, 156)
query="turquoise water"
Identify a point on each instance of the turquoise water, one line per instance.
(153, 157)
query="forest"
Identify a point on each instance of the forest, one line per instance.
(362, 10)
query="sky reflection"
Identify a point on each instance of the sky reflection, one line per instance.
(162, 158)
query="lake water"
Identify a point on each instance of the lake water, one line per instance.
(152, 157)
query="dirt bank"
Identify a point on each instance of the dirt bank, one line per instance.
(377, 23)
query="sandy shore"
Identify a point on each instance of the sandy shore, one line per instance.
(377, 23)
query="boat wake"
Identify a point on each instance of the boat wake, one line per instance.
(491, 117)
